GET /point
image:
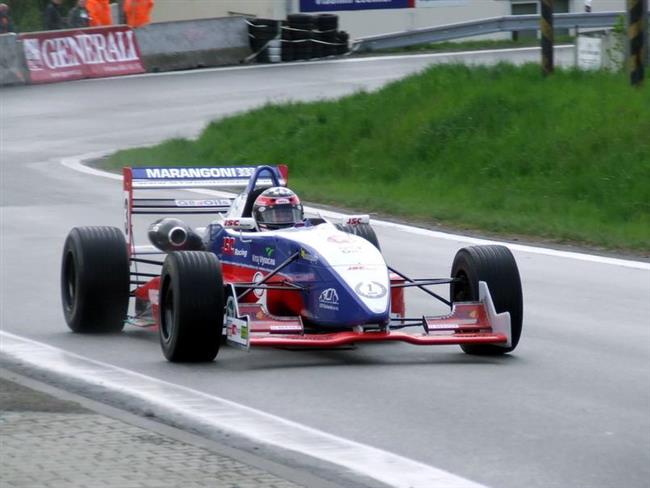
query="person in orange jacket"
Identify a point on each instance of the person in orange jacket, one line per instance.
(138, 12)
(100, 12)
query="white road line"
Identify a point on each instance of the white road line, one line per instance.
(386, 467)
(367, 59)
(76, 164)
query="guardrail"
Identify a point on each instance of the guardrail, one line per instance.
(492, 25)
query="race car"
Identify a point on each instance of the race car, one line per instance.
(262, 274)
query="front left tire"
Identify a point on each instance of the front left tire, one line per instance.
(496, 266)
(191, 306)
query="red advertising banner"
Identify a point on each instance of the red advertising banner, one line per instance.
(81, 53)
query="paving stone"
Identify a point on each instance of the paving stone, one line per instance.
(87, 450)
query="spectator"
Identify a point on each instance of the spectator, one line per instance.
(587, 6)
(6, 25)
(100, 12)
(138, 12)
(79, 16)
(54, 16)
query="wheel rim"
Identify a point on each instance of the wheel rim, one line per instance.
(167, 315)
(69, 282)
(462, 291)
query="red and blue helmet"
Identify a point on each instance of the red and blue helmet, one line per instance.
(276, 208)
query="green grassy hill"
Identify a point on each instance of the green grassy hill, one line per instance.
(497, 149)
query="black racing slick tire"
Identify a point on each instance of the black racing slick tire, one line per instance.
(95, 279)
(362, 230)
(191, 306)
(496, 266)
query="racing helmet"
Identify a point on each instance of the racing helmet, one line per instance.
(276, 208)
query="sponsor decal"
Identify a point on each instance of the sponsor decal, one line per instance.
(354, 221)
(282, 200)
(356, 267)
(302, 276)
(202, 203)
(259, 293)
(241, 252)
(304, 254)
(127, 216)
(75, 54)
(154, 297)
(228, 247)
(333, 5)
(329, 299)
(193, 173)
(238, 332)
(350, 249)
(263, 260)
(370, 289)
(269, 251)
(339, 238)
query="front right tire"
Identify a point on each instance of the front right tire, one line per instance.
(95, 279)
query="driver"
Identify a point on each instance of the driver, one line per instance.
(277, 208)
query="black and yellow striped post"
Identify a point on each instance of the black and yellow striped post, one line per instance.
(636, 33)
(547, 36)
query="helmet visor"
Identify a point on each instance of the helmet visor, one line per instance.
(281, 215)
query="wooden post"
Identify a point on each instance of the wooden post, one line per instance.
(635, 33)
(547, 37)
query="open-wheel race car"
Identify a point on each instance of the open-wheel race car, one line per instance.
(261, 274)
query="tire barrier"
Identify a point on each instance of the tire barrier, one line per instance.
(299, 37)
(261, 32)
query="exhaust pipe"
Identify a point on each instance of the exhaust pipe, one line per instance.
(174, 235)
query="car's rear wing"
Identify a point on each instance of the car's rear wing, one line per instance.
(160, 178)
(175, 178)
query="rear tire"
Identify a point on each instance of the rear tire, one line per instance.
(95, 279)
(362, 230)
(191, 306)
(496, 266)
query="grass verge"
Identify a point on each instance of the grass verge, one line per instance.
(498, 149)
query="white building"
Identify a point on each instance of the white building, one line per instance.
(360, 23)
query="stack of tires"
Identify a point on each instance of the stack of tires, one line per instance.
(287, 42)
(261, 32)
(325, 35)
(343, 41)
(299, 28)
(300, 37)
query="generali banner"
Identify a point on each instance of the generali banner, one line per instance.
(81, 53)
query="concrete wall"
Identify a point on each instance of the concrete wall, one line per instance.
(170, 46)
(12, 60)
(167, 10)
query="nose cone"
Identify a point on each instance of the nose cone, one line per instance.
(369, 284)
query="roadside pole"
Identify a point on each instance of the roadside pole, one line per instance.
(646, 16)
(547, 37)
(637, 13)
